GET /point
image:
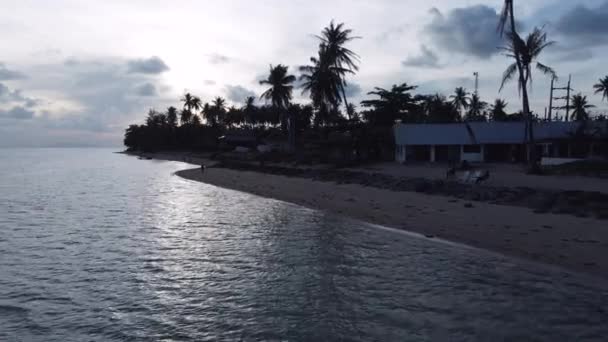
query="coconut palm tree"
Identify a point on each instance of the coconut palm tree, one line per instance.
(498, 112)
(506, 26)
(476, 109)
(185, 116)
(322, 80)
(460, 99)
(279, 93)
(333, 38)
(214, 113)
(579, 108)
(191, 102)
(529, 52)
(602, 87)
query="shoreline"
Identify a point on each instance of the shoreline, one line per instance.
(578, 244)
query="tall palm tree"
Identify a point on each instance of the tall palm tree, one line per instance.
(580, 106)
(602, 87)
(529, 52)
(279, 93)
(506, 26)
(333, 38)
(323, 81)
(460, 99)
(498, 111)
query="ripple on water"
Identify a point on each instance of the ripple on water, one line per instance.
(129, 252)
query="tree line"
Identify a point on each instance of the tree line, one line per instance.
(325, 79)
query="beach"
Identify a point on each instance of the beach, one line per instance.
(576, 243)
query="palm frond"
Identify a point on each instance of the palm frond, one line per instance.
(508, 75)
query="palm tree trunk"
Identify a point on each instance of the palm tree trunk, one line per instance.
(345, 101)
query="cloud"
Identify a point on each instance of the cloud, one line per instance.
(583, 23)
(146, 89)
(577, 55)
(18, 113)
(352, 89)
(470, 30)
(209, 82)
(152, 65)
(8, 96)
(216, 58)
(7, 74)
(238, 93)
(426, 59)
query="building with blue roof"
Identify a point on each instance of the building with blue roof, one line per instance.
(494, 141)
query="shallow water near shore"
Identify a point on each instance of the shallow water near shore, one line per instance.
(105, 247)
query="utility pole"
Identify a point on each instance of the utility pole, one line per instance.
(568, 88)
(568, 98)
(476, 74)
(551, 98)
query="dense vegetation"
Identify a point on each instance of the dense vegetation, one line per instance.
(199, 125)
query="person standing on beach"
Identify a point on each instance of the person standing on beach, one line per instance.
(203, 168)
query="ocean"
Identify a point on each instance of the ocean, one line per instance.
(98, 246)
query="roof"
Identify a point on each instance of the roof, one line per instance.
(483, 133)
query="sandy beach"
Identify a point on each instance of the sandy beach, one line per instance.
(576, 243)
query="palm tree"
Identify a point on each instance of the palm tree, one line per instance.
(172, 116)
(214, 113)
(279, 93)
(602, 87)
(333, 38)
(476, 109)
(498, 112)
(460, 99)
(249, 110)
(580, 106)
(529, 51)
(191, 102)
(519, 48)
(185, 116)
(323, 81)
(393, 104)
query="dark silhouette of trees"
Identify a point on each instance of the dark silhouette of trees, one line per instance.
(172, 116)
(602, 87)
(392, 105)
(436, 109)
(250, 111)
(279, 93)
(460, 100)
(498, 112)
(336, 56)
(477, 109)
(579, 108)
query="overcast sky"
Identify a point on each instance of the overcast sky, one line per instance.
(76, 73)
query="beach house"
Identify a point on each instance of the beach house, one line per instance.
(497, 141)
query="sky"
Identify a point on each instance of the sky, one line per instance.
(78, 72)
